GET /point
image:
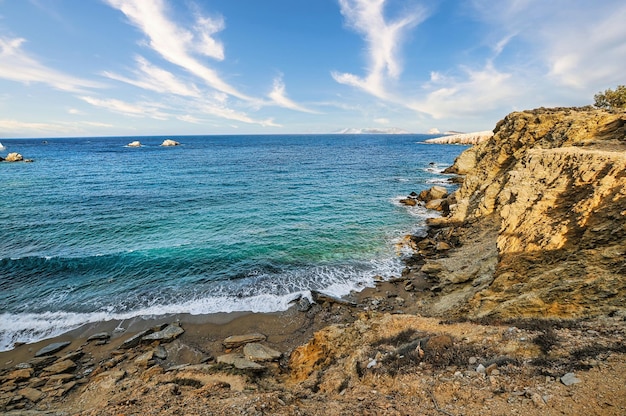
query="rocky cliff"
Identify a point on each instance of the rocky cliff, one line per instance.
(542, 214)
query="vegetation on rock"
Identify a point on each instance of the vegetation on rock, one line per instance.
(610, 99)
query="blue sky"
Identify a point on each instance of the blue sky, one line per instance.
(177, 67)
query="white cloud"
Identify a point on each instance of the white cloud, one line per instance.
(474, 92)
(127, 109)
(24, 128)
(278, 96)
(580, 44)
(230, 114)
(153, 78)
(383, 40)
(176, 44)
(16, 65)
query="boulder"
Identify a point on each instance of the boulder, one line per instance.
(136, 143)
(259, 352)
(134, 340)
(170, 142)
(239, 340)
(411, 202)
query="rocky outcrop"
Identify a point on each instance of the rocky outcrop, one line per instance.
(170, 142)
(462, 138)
(551, 183)
(135, 143)
(15, 157)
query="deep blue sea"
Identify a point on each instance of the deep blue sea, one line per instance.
(95, 230)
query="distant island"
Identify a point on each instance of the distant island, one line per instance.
(462, 138)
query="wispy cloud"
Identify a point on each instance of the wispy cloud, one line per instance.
(178, 45)
(151, 77)
(279, 96)
(10, 127)
(127, 109)
(17, 65)
(472, 92)
(383, 39)
(580, 44)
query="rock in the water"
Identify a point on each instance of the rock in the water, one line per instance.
(411, 202)
(239, 340)
(170, 333)
(569, 379)
(14, 157)
(240, 362)
(304, 304)
(170, 142)
(52, 348)
(259, 352)
(99, 336)
(136, 143)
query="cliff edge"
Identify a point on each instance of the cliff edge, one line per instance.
(539, 220)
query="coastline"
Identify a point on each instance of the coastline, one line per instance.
(464, 330)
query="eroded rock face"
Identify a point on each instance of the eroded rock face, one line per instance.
(554, 183)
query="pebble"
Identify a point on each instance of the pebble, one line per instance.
(481, 369)
(473, 360)
(569, 379)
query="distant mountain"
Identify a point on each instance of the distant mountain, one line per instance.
(373, 130)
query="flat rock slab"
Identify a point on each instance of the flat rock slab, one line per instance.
(259, 352)
(240, 362)
(239, 340)
(31, 394)
(170, 333)
(99, 336)
(60, 367)
(134, 340)
(52, 348)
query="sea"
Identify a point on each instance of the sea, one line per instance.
(94, 230)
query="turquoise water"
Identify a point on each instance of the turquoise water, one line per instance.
(95, 230)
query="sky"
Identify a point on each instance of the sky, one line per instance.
(73, 68)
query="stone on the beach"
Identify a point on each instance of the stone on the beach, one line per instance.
(60, 367)
(239, 340)
(160, 352)
(569, 379)
(99, 336)
(170, 142)
(20, 375)
(41, 362)
(135, 339)
(52, 348)
(170, 333)
(319, 297)
(259, 352)
(136, 143)
(240, 362)
(14, 157)
(145, 359)
(31, 394)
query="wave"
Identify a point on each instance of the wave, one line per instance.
(256, 292)
(2, 147)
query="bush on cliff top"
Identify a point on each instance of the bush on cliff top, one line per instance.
(611, 99)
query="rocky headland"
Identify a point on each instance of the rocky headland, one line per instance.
(512, 303)
(462, 138)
